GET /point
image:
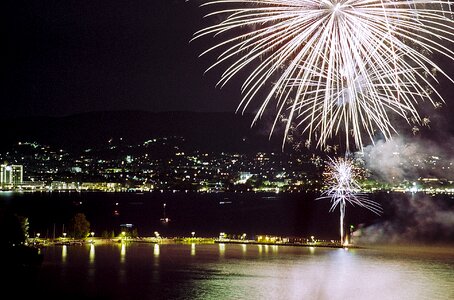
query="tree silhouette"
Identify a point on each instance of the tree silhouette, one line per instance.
(79, 226)
(15, 228)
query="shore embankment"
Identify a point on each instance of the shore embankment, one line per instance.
(184, 240)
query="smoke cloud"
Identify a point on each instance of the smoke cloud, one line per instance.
(397, 159)
(416, 218)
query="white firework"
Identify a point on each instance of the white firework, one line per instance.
(342, 179)
(358, 105)
(337, 65)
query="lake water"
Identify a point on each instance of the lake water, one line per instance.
(291, 214)
(230, 271)
(406, 216)
(234, 271)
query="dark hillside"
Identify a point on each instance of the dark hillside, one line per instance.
(204, 131)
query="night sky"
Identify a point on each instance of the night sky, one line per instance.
(66, 57)
(72, 56)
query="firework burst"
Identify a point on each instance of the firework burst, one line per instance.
(335, 66)
(342, 177)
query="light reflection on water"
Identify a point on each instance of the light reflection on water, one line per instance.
(221, 249)
(193, 249)
(229, 271)
(244, 248)
(64, 253)
(92, 254)
(156, 250)
(123, 252)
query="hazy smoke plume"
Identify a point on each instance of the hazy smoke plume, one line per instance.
(416, 219)
(397, 159)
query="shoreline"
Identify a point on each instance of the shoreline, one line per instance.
(429, 191)
(445, 249)
(318, 244)
(184, 241)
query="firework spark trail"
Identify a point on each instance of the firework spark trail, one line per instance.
(379, 46)
(342, 178)
(360, 91)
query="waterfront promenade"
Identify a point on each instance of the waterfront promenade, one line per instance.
(183, 240)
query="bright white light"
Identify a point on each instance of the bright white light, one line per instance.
(333, 67)
(341, 177)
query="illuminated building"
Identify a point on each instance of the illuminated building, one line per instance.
(11, 175)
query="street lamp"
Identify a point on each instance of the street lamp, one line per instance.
(193, 233)
(92, 235)
(37, 237)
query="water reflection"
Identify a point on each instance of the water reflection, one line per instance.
(244, 248)
(156, 250)
(91, 259)
(285, 273)
(92, 254)
(221, 249)
(64, 253)
(156, 274)
(123, 253)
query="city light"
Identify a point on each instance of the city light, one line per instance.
(272, 172)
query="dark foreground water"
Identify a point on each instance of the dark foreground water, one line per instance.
(148, 271)
(289, 214)
(230, 271)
